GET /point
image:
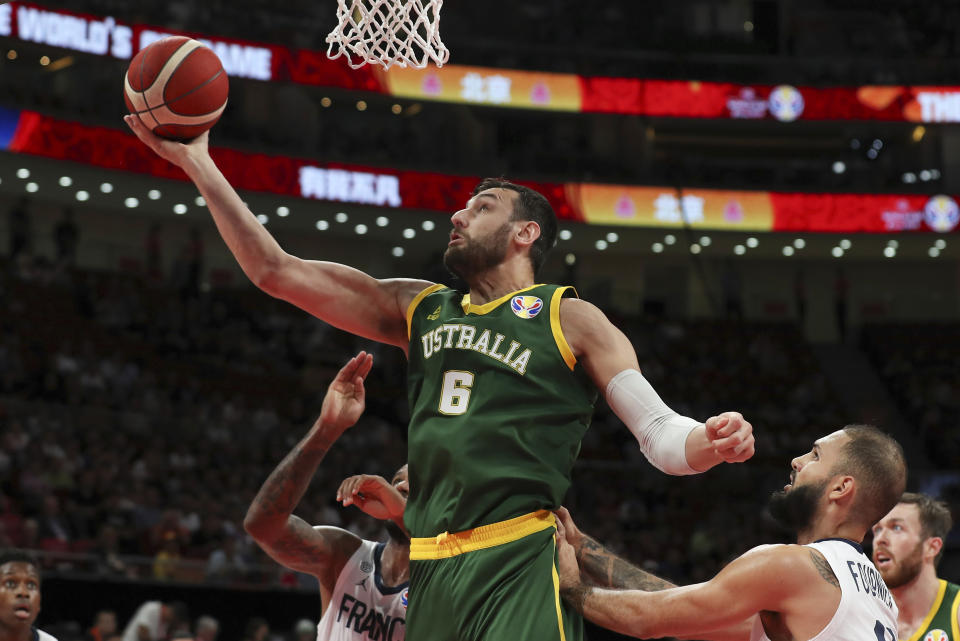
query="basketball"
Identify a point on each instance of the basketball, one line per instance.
(177, 87)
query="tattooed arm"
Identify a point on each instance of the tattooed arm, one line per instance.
(290, 540)
(778, 580)
(602, 567)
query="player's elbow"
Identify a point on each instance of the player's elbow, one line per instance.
(273, 275)
(258, 527)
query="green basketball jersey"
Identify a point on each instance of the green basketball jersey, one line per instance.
(940, 623)
(498, 408)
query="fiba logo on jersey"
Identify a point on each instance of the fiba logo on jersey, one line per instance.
(936, 635)
(526, 306)
(403, 598)
(941, 213)
(786, 103)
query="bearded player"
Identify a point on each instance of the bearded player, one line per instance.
(502, 384)
(363, 584)
(907, 546)
(822, 589)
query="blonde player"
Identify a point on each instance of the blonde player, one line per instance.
(907, 546)
(363, 584)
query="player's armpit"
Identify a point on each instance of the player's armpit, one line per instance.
(321, 551)
(345, 297)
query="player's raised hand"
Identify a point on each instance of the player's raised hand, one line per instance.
(177, 153)
(374, 495)
(346, 397)
(731, 436)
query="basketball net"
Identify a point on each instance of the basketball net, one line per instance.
(388, 32)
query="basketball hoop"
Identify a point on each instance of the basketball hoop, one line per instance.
(388, 32)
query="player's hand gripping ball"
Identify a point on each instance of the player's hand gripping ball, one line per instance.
(176, 87)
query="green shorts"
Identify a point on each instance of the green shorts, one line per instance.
(493, 583)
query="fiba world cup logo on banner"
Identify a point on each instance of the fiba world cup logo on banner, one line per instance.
(786, 103)
(941, 213)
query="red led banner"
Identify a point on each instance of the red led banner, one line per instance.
(498, 87)
(592, 203)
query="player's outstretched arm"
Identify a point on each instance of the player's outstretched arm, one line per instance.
(601, 566)
(321, 551)
(769, 578)
(673, 443)
(340, 295)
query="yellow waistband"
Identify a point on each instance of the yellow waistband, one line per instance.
(446, 544)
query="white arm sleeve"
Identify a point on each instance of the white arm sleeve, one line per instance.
(661, 432)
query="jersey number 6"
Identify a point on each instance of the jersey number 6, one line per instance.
(455, 393)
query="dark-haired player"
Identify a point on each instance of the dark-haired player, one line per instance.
(823, 588)
(502, 384)
(20, 597)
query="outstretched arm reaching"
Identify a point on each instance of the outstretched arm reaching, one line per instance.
(291, 541)
(345, 297)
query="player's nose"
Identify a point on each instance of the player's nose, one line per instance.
(459, 219)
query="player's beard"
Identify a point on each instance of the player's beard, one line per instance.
(396, 534)
(904, 571)
(473, 257)
(795, 509)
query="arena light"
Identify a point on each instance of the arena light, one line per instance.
(179, 209)
(263, 219)
(32, 187)
(669, 239)
(925, 175)
(322, 225)
(657, 248)
(565, 234)
(382, 221)
(397, 252)
(106, 188)
(612, 237)
(889, 252)
(396, 109)
(200, 202)
(600, 244)
(934, 174)
(83, 195)
(705, 241)
(65, 181)
(361, 229)
(837, 252)
(283, 211)
(872, 153)
(409, 233)
(909, 178)
(839, 167)
(739, 250)
(695, 248)
(893, 243)
(933, 252)
(12, 54)
(940, 244)
(845, 244)
(788, 250)
(325, 102)
(361, 105)
(570, 260)
(341, 217)
(23, 173)
(131, 202)
(799, 243)
(428, 225)
(44, 61)
(153, 194)
(752, 242)
(918, 133)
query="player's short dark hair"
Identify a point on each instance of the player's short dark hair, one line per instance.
(876, 461)
(16, 555)
(935, 518)
(529, 205)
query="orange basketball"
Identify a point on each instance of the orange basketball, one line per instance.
(177, 87)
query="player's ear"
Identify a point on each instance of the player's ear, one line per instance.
(932, 547)
(528, 233)
(842, 488)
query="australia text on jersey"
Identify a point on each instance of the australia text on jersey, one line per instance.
(443, 337)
